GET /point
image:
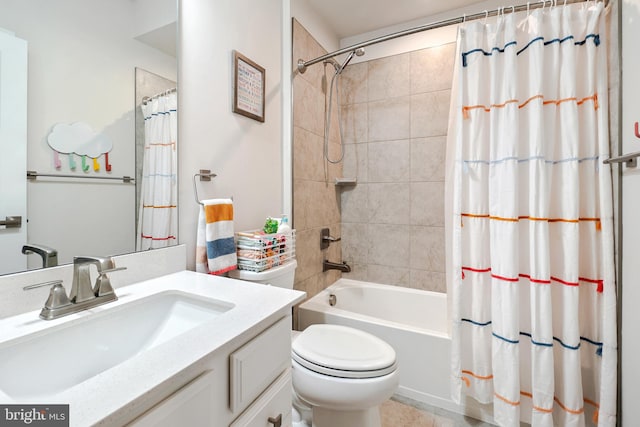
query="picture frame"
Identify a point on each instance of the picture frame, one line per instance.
(249, 81)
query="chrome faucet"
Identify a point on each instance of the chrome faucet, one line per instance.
(328, 265)
(49, 255)
(82, 296)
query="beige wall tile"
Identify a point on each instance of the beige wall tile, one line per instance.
(308, 159)
(316, 204)
(356, 158)
(301, 195)
(397, 276)
(427, 203)
(303, 49)
(430, 114)
(354, 203)
(336, 152)
(358, 272)
(389, 77)
(355, 242)
(306, 47)
(390, 119)
(428, 281)
(315, 201)
(308, 107)
(308, 254)
(389, 161)
(427, 248)
(432, 69)
(428, 156)
(389, 245)
(389, 203)
(312, 285)
(355, 120)
(354, 84)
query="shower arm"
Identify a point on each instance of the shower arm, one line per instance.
(302, 64)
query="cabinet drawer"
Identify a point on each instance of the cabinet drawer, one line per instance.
(258, 363)
(274, 403)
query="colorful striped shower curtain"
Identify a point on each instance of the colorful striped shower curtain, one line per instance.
(158, 216)
(532, 253)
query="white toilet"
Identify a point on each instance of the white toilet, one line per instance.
(343, 374)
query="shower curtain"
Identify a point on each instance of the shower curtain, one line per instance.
(158, 217)
(532, 259)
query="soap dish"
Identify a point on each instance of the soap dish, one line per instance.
(344, 182)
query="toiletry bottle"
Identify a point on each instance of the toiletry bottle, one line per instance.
(285, 230)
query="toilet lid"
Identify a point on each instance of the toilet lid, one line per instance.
(343, 351)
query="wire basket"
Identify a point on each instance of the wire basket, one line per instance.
(258, 251)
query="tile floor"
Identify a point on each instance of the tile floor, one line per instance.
(402, 412)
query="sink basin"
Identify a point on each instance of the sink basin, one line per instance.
(60, 357)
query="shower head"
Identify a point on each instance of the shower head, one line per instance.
(333, 62)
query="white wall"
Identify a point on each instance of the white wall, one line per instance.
(630, 286)
(81, 68)
(246, 154)
(416, 41)
(304, 13)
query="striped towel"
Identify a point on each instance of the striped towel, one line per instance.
(215, 248)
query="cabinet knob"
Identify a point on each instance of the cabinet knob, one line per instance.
(277, 421)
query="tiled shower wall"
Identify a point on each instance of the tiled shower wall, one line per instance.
(395, 117)
(315, 200)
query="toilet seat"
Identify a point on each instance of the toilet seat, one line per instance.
(343, 352)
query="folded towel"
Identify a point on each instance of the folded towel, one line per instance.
(215, 247)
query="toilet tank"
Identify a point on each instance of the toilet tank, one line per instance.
(281, 276)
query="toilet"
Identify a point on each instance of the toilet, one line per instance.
(340, 374)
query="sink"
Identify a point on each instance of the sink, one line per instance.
(58, 358)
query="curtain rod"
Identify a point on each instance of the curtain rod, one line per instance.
(302, 64)
(146, 99)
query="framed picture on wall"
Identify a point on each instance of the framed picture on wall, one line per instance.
(249, 87)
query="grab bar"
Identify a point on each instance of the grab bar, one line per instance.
(631, 159)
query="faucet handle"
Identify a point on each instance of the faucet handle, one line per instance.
(41, 285)
(57, 297)
(110, 270)
(103, 283)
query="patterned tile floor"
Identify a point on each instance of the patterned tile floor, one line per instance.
(402, 412)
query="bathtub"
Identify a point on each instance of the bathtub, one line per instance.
(413, 321)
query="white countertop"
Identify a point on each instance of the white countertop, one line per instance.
(255, 306)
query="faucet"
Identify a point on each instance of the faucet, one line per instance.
(49, 255)
(326, 239)
(328, 265)
(82, 296)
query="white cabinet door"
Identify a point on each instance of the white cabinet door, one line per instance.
(13, 150)
(272, 409)
(190, 406)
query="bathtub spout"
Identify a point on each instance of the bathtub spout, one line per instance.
(328, 265)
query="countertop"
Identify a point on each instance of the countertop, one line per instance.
(255, 307)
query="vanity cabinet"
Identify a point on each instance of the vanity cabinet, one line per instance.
(246, 386)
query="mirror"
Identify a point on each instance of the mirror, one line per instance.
(83, 58)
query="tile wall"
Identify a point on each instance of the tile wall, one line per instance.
(316, 204)
(395, 118)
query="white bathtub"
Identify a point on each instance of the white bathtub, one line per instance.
(414, 322)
